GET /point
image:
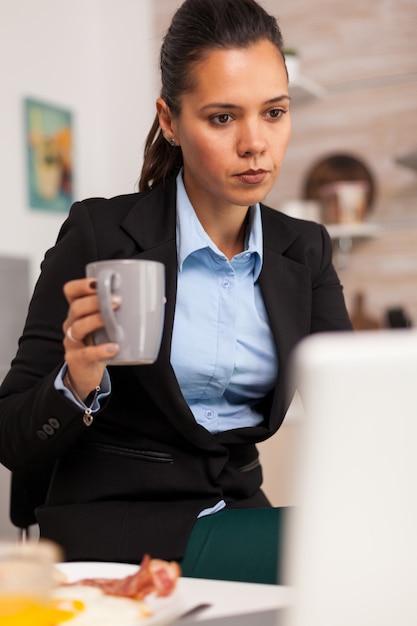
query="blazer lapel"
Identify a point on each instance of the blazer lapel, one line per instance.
(152, 224)
(286, 290)
(284, 284)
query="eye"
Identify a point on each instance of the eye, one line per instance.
(275, 114)
(221, 119)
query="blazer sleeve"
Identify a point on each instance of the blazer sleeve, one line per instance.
(36, 421)
(328, 311)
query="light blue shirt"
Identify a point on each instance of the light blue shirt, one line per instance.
(105, 387)
(223, 352)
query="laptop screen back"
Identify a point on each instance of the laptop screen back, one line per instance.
(351, 545)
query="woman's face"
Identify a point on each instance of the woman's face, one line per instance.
(234, 126)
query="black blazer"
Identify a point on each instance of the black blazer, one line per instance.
(135, 480)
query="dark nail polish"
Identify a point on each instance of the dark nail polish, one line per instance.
(93, 284)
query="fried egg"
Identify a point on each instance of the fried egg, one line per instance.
(91, 607)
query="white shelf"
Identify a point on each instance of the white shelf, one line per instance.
(408, 160)
(364, 230)
(302, 90)
(345, 236)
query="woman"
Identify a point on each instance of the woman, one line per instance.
(174, 442)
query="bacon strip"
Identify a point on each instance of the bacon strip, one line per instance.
(164, 576)
(153, 575)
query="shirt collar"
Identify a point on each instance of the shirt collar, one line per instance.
(191, 236)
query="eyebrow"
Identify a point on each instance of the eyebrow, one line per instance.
(227, 105)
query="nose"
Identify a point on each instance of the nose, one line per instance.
(252, 140)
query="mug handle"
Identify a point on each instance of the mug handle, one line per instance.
(108, 281)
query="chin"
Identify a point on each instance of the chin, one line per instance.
(254, 193)
(252, 197)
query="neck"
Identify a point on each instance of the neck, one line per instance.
(227, 231)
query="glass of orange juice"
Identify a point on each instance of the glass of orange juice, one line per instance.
(27, 579)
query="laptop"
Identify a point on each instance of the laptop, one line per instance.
(351, 544)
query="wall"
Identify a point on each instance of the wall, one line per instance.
(14, 278)
(96, 58)
(92, 57)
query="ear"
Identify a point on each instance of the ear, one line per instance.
(165, 118)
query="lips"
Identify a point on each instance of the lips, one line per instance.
(252, 177)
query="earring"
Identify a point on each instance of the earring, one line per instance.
(172, 142)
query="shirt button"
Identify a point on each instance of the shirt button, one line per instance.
(209, 414)
(247, 255)
(47, 428)
(54, 423)
(226, 283)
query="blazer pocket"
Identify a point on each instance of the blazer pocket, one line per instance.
(103, 471)
(144, 455)
(249, 466)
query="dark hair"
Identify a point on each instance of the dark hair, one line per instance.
(197, 27)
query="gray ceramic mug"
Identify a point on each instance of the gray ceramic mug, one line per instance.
(137, 324)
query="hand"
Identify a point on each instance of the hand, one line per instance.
(85, 361)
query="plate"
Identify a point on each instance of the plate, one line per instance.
(91, 569)
(164, 610)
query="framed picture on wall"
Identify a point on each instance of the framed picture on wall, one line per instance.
(49, 153)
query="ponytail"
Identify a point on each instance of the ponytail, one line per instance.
(160, 158)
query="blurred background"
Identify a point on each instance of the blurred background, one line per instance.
(351, 162)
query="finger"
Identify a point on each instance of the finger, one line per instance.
(89, 304)
(84, 317)
(70, 336)
(89, 356)
(82, 307)
(79, 288)
(77, 329)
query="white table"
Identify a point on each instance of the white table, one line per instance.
(229, 598)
